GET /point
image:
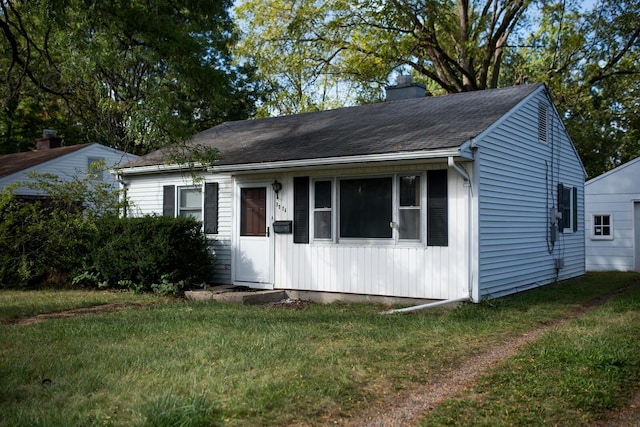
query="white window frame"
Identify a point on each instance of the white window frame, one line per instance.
(313, 210)
(395, 210)
(180, 211)
(594, 235)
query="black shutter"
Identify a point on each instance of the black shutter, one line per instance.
(301, 209)
(211, 208)
(561, 207)
(575, 209)
(437, 208)
(169, 200)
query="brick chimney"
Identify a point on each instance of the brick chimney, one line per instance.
(49, 140)
(405, 88)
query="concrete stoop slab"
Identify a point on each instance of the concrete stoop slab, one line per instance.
(237, 297)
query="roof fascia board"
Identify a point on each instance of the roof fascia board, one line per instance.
(337, 161)
(287, 164)
(146, 170)
(612, 171)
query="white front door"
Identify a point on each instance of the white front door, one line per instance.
(253, 260)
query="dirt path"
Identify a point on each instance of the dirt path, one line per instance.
(407, 408)
(75, 312)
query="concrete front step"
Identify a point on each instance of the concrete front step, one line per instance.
(237, 297)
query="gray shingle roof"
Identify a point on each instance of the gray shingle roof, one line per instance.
(419, 124)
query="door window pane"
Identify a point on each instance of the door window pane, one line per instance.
(253, 208)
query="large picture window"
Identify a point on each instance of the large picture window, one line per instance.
(366, 208)
(396, 209)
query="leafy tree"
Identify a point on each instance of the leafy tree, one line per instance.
(588, 58)
(134, 75)
(312, 47)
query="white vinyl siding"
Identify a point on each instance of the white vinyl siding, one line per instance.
(517, 184)
(406, 269)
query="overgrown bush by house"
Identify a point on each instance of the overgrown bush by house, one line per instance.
(151, 253)
(39, 243)
(75, 236)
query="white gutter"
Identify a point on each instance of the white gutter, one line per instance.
(428, 305)
(143, 170)
(286, 164)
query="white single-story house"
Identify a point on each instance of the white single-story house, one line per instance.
(466, 196)
(67, 163)
(612, 218)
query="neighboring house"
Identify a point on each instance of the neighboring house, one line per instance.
(66, 163)
(447, 197)
(612, 218)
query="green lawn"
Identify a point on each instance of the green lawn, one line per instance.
(208, 363)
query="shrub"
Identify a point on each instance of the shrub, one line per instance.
(38, 243)
(151, 253)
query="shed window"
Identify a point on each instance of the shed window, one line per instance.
(602, 227)
(190, 202)
(96, 167)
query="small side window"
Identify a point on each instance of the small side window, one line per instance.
(322, 210)
(602, 227)
(409, 211)
(190, 202)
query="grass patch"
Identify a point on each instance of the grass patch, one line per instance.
(210, 363)
(16, 304)
(573, 375)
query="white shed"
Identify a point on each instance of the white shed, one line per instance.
(466, 196)
(612, 210)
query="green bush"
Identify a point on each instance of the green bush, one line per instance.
(151, 253)
(39, 243)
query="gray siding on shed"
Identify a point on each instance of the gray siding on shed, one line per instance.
(517, 177)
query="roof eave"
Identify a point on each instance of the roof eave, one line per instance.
(339, 161)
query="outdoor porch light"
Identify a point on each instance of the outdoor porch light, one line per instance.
(276, 187)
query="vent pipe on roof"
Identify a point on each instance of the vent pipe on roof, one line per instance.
(49, 140)
(405, 88)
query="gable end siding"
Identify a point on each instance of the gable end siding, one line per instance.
(517, 180)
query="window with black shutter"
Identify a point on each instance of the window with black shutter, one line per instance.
(301, 209)
(169, 200)
(211, 208)
(437, 208)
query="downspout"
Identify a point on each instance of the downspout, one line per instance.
(123, 184)
(468, 296)
(467, 183)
